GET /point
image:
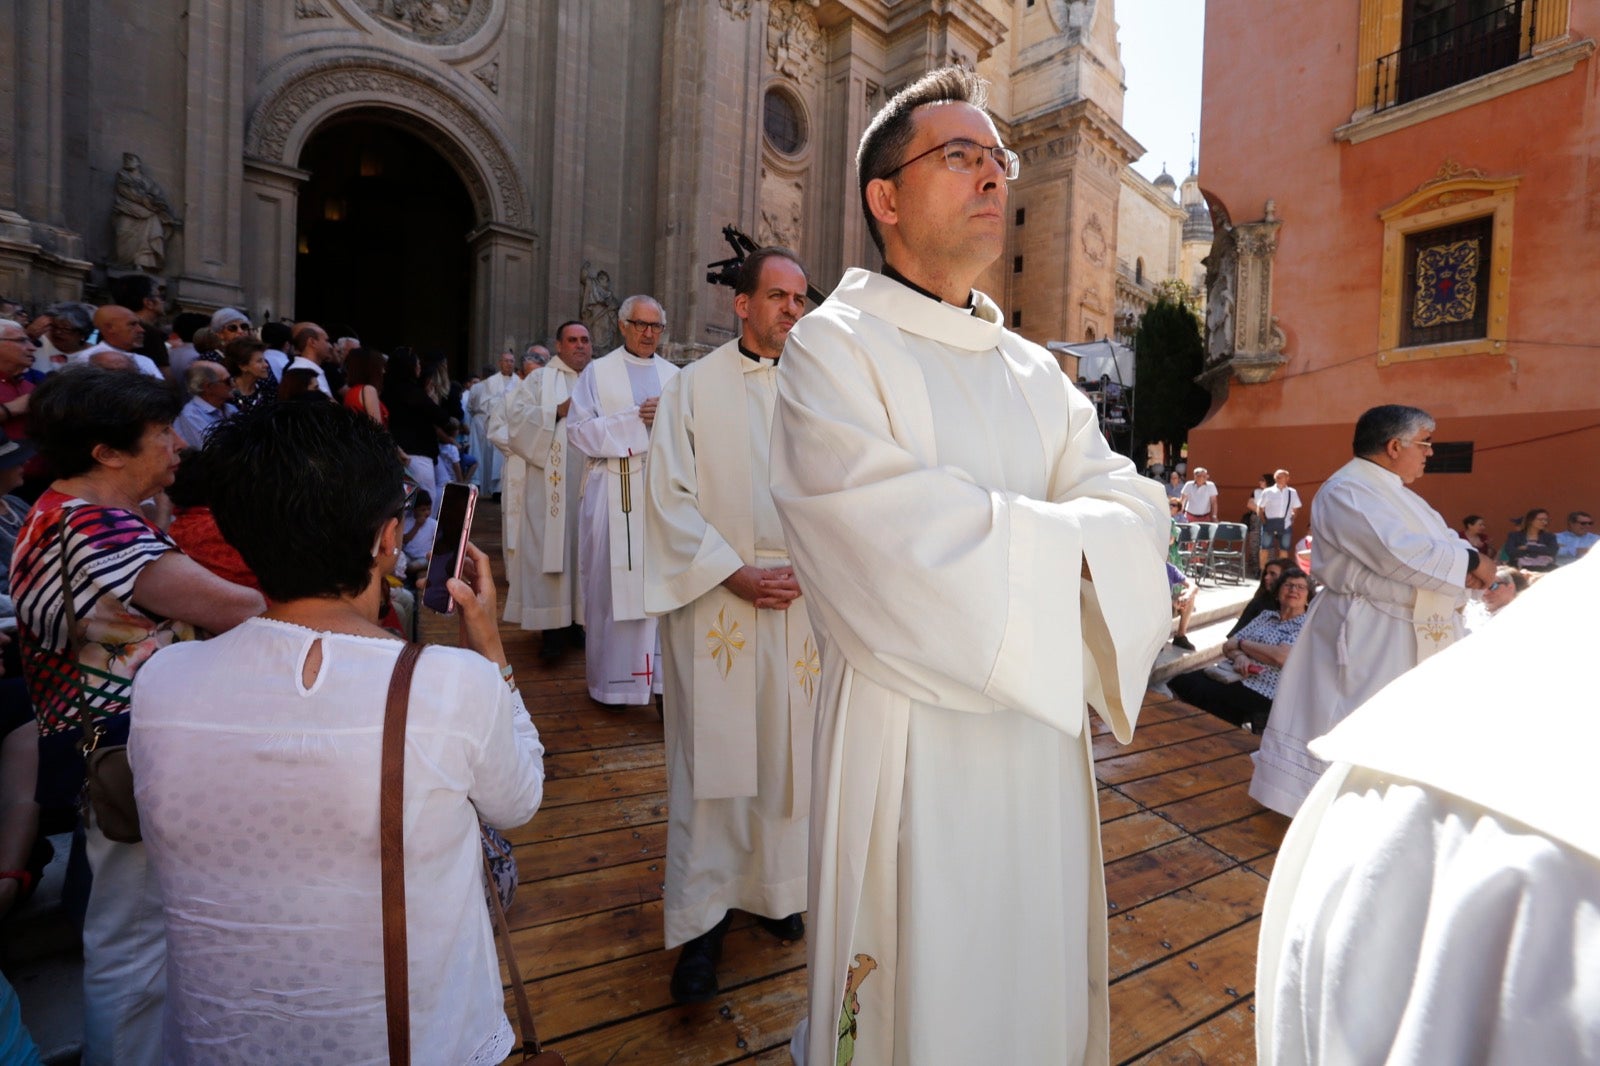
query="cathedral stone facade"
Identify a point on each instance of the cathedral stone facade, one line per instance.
(468, 173)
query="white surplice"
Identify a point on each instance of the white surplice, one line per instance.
(1394, 582)
(539, 505)
(740, 682)
(1437, 900)
(622, 657)
(941, 484)
(483, 400)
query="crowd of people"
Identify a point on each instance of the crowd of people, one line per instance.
(850, 607)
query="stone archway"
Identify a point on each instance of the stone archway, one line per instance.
(305, 97)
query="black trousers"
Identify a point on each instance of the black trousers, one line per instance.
(1234, 702)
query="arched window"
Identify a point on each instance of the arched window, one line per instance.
(1138, 271)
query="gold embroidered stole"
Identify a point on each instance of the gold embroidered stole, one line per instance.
(625, 493)
(725, 681)
(555, 387)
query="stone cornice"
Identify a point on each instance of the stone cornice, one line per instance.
(1078, 117)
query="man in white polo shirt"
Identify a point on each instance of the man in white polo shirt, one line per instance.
(1199, 498)
(1278, 504)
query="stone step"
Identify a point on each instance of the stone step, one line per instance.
(1207, 641)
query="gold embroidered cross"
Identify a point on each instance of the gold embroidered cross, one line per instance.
(806, 669)
(724, 641)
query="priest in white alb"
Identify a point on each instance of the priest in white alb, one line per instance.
(483, 401)
(1437, 899)
(613, 408)
(980, 568)
(740, 662)
(539, 504)
(1395, 578)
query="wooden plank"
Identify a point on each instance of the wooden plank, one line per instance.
(590, 852)
(589, 787)
(1250, 838)
(1114, 804)
(760, 1016)
(608, 736)
(1135, 833)
(588, 892)
(578, 818)
(1140, 936)
(603, 760)
(1124, 768)
(1155, 1005)
(588, 940)
(1161, 734)
(1229, 1039)
(1263, 866)
(582, 999)
(1151, 874)
(1189, 781)
(1211, 809)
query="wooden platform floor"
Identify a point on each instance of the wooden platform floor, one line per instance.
(1187, 857)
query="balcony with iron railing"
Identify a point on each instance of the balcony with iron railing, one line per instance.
(1467, 50)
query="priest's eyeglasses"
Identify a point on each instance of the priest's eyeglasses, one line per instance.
(966, 157)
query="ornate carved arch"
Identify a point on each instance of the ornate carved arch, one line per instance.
(307, 95)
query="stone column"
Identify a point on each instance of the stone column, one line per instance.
(271, 201)
(852, 93)
(208, 260)
(502, 273)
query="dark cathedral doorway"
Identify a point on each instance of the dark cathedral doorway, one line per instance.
(382, 239)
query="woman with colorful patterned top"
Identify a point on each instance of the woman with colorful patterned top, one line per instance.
(108, 436)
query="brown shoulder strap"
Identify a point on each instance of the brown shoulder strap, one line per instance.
(391, 855)
(519, 992)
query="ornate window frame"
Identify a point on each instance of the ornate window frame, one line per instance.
(1453, 196)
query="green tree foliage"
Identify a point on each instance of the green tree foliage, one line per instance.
(1170, 353)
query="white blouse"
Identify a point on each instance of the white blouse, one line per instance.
(259, 804)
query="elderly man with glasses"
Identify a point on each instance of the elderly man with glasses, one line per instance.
(979, 565)
(1574, 542)
(613, 408)
(1395, 579)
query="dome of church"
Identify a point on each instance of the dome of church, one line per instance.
(1197, 221)
(1166, 182)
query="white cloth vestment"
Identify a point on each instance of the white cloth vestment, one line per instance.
(1394, 582)
(483, 402)
(538, 499)
(739, 681)
(1437, 900)
(941, 485)
(621, 660)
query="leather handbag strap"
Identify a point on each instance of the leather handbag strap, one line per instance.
(391, 855)
(530, 1037)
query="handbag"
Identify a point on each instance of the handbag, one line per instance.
(1223, 672)
(499, 865)
(391, 861)
(108, 779)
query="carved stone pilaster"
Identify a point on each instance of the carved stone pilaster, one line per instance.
(1243, 337)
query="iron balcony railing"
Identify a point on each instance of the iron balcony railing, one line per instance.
(1464, 51)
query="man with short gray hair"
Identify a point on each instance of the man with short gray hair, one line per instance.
(536, 356)
(613, 409)
(209, 389)
(1395, 579)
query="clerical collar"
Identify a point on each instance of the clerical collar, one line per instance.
(891, 272)
(753, 357)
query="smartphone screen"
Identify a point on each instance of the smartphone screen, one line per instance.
(449, 544)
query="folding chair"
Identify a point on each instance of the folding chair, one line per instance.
(1200, 550)
(1227, 555)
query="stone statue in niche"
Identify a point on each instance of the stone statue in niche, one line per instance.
(1222, 266)
(793, 39)
(142, 218)
(600, 304)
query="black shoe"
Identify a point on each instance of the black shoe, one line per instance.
(694, 978)
(552, 645)
(790, 928)
(575, 635)
(1181, 641)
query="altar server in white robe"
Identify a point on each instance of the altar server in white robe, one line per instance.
(979, 565)
(1437, 900)
(539, 504)
(1395, 578)
(737, 650)
(483, 402)
(613, 408)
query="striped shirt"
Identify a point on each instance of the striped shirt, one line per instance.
(107, 548)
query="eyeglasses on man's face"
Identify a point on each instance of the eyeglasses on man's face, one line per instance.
(1426, 445)
(967, 157)
(644, 326)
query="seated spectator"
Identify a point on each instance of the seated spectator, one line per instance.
(1533, 547)
(1508, 584)
(109, 438)
(275, 944)
(1266, 594)
(1572, 543)
(1475, 531)
(245, 360)
(1184, 591)
(1257, 655)
(209, 389)
(416, 541)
